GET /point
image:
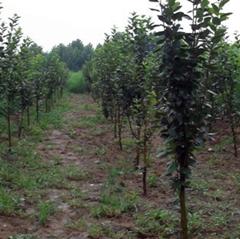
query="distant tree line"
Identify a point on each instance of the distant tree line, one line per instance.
(74, 54)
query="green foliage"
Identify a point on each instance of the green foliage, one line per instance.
(122, 74)
(27, 78)
(46, 209)
(77, 83)
(74, 55)
(184, 68)
(152, 180)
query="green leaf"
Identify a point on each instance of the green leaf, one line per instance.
(173, 167)
(216, 21)
(223, 3)
(215, 9)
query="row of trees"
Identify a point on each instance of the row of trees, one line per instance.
(27, 76)
(177, 79)
(75, 54)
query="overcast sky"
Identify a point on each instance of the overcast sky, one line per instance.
(50, 22)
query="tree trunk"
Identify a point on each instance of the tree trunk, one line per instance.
(145, 161)
(144, 174)
(28, 116)
(115, 125)
(119, 122)
(20, 126)
(37, 109)
(46, 105)
(9, 129)
(234, 136)
(137, 159)
(183, 211)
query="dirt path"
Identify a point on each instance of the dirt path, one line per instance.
(75, 148)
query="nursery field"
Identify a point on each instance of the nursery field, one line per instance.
(69, 179)
(135, 137)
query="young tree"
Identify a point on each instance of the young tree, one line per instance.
(182, 68)
(228, 78)
(11, 39)
(24, 82)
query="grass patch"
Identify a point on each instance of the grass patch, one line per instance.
(91, 121)
(74, 173)
(113, 205)
(9, 202)
(24, 175)
(46, 209)
(115, 199)
(77, 83)
(159, 222)
(79, 225)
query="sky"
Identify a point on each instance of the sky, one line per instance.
(50, 22)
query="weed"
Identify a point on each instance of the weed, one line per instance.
(217, 195)
(113, 205)
(196, 222)
(199, 184)
(46, 209)
(80, 225)
(95, 231)
(156, 222)
(220, 219)
(9, 202)
(152, 181)
(128, 143)
(100, 151)
(74, 173)
(236, 179)
(76, 200)
(91, 121)
(220, 147)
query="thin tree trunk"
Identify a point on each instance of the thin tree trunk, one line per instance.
(28, 116)
(183, 212)
(37, 109)
(20, 126)
(144, 174)
(145, 161)
(46, 105)
(115, 125)
(9, 129)
(234, 136)
(137, 159)
(119, 122)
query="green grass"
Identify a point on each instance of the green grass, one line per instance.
(46, 209)
(115, 200)
(156, 222)
(77, 83)
(24, 175)
(9, 202)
